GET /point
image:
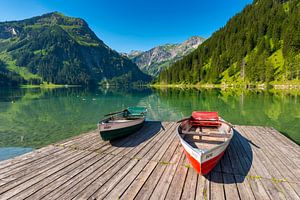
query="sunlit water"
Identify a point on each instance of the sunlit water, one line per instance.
(32, 118)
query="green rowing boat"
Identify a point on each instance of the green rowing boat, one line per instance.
(122, 123)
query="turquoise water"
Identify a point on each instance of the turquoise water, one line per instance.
(10, 152)
(33, 118)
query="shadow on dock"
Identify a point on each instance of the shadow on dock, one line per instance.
(236, 162)
(149, 129)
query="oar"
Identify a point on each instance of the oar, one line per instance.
(115, 112)
(183, 119)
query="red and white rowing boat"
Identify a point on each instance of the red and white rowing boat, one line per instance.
(204, 137)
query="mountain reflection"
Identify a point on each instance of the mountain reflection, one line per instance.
(37, 117)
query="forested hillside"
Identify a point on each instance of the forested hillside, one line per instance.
(259, 45)
(54, 48)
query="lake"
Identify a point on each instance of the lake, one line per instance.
(33, 118)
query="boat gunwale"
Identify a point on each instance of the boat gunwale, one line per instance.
(201, 152)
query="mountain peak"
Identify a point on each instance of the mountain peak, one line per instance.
(160, 57)
(60, 19)
(193, 41)
(63, 50)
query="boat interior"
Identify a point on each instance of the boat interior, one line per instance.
(119, 119)
(205, 137)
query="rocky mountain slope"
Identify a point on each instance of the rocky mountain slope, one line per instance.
(160, 57)
(62, 50)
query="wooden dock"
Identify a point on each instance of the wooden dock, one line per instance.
(260, 163)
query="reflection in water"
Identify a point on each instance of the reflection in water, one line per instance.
(37, 117)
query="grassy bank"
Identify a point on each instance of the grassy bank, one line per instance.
(185, 85)
(280, 85)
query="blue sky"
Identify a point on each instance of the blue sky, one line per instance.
(127, 25)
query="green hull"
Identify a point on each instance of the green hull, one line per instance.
(113, 134)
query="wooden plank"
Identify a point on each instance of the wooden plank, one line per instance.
(78, 188)
(290, 151)
(146, 191)
(83, 136)
(288, 190)
(260, 166)
(83, 143)
(226, 165)
(162, 186)
(71, 187)
(144, 147)
(139, 181)
(217, 135)
(69, 177)
(203, 187)
(20, 184)
(217, 188)
(151, 164)
(134, 188)
(189, 189)
(50, 179)
(104, 172)
(169, 135)
(32, 169)
(249, 149)
(31, 156)
(242, 150)
(107, 187)
(245, 191)
(176, 187)
(245, 155)
(287, 149)
(236, 165)
(272, 156)
(13, 173)
(295, 185)
(136, 143)
(230, 187)
(28, 157)
(283, 139)
(258, 189)
(277, 168)
(92, 191)
(126, 181)
(142, 144)
(263, 156)
(281, 158)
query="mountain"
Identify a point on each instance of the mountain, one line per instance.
(160, 57)
(132, 54)
(261, 44)
(62, 50)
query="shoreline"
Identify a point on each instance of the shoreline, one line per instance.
(48, 86)
(263, 86)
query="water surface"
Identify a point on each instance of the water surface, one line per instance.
(33, 118)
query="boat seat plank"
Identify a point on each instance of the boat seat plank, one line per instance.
(218, 135)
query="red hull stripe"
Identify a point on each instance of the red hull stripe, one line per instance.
(205, 167)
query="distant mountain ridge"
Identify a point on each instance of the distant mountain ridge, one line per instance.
(158, 58)
(62, 50)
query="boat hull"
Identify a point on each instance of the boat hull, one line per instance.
(206, 167)
(111, 131)
(203, 161)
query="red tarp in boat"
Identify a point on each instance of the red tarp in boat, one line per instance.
(201, 118)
